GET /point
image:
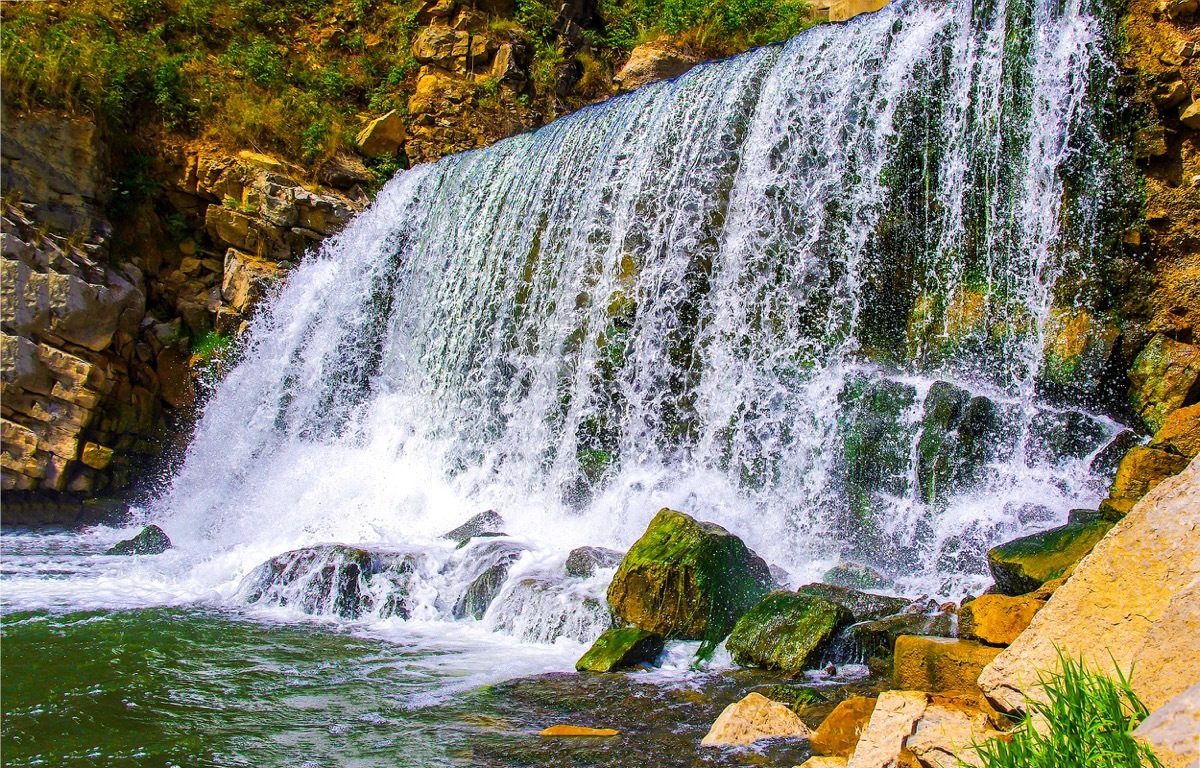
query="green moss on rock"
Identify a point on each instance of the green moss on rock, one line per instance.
(785, 631)
(864, 606)
(620, 648)
(687, 579)
(1022, 565)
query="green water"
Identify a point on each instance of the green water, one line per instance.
(161, 687)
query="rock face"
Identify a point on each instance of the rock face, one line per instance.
(1180, 433)
(1134, 597)
(785, 631)
(653, 62)
(151, 541)
(1139, 472)
(754, 717)
(996, 619)
(1022, 565)
(945, 735)
(1173, 730)
(620, 648)
(939, 664)
(840, 732)
(687, 579)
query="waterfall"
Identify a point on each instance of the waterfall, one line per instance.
(806, 293)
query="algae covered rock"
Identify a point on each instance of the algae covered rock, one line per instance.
(1022, 565)
(1163, 377)
(785, 631)
(151, 541)
(878, 637)
(863, 606)
(620, 648)
(687, 579)
(1180, 433)
(856, 576)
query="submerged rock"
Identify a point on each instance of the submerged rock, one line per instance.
(583, 562)
(492, 561)
(1022, 565)
(621, 648)
(839, 733)
(996, 619)
(785, 631)
(151, 541)
(754, 717)
(864, 606)
(939, 664)
(488, 523)
(578, 731)
(541, 609)
(687, 579)
(856, 576)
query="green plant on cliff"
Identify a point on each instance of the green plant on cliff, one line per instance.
(1089, 721)
(717, 26)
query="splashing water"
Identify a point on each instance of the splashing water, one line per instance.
(804, 293)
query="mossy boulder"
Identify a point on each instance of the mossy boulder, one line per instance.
(151, 541)
(1078, 346)
(687, 579)
(856, 576)
(1056, 435)
(863, 606)
(959, 435)
(1022, 565)
(785, 631)
(878, 637)
(1164, 377)
(1180, 433)
(620, 648)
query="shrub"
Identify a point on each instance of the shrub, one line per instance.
(1089, 722)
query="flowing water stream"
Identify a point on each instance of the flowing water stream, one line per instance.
(809, 293)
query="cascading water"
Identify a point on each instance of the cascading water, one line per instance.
(806, 293)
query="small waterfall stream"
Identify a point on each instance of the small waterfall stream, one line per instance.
(807, 293)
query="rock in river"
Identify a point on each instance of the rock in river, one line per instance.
(754, 717)
(785, 631)
(620, 648)
(1022, 565)
(151, 541)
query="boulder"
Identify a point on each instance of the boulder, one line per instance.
(939, 664)
(382, 136)
(914, 728)
(863, 606)
(754, 717)
(878, 637)
(576, 731)
(841, 10)
(490, 561)
(344, 170)
(687, 579)
(1131, 602)
(1140, 471)
(824, 762)
(892, 721)
(620, 648)
(1162, 376)
(996, 619)
(652, 62)
(583, 562)
(839, 733)
(856, 576)
(96, 456)
(945, 735)
(1108, 458)
(1180, 433)
(151, 541)
(1173, 730)
(1022, 565)
(785, 631)
(487, 523)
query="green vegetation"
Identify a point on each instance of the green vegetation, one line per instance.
(1088, 721)
(211, 346)
(715, 26)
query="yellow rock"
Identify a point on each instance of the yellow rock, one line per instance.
(824, 762)
(754, 717)
(841, 730)
(1180, 432)
(939, 664)
(577, 730)
(1142, 469)
(893, 720)
(996, 619)
(1132, 601)
(96, 456)
(266, 162)
(840, 10)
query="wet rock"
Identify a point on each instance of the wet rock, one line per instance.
(652, 62)
(687, 579)
(621, 648)
(1134, 602)
(1173, 730)
(863, 606)
(1180, 433)
(151, 541)
(1078, 346)
(824, 762)
(878, 638)
(1067, 434)
(543, 609)
(785, 631)
(754, 717)
(796, 697)
(958, 436)
(1162, 376)
(1140, 471)
(496, 559)
(938, 664)
(577, 731)
(382, 136)
(842, 10)
(856, 576)
(1022, 565)
(488, 523)
(839, 733)
(996, 619)
(583, 562)
(875, 434)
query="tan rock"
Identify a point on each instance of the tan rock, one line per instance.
(946, 734)
(1173, 730)
(840, 731)
(824, 762)
(266, 162)
(996, 619)
(1180, 433)
(754, 717)
(840, 10)
(1117, 607)
(228, 227)
(652, 62)
(1162, 375)
(1142, 469)
(939, 663)
(895, 717)
(383, 135)
(96, 456)
(20, 450)
(577, 731)
(246, 279)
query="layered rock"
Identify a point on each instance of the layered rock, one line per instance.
(927, 730)
(939, 664)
